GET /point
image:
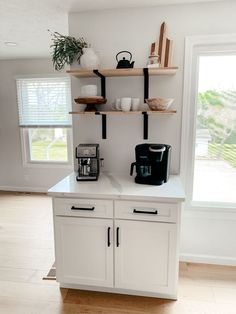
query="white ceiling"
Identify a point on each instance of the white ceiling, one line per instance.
(26, 21)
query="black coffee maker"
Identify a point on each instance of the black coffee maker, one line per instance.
(152, 163)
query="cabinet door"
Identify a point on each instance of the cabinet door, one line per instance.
(83, 252)
(145, 256)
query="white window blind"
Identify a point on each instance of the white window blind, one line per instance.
(44, 102)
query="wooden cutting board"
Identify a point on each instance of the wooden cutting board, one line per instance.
(154, 49)
(168, 53)
(162, 44)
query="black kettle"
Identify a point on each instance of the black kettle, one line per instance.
(124, 63)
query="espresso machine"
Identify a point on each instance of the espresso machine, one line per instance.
(152, 163)
(88, 162)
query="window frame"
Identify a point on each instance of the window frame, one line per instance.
(194, 47)
(25, 142)
(25, 150)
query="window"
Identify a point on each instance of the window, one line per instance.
(44, 105)
(215, 144)
(208, 159)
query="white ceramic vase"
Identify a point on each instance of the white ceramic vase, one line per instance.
(89, 59)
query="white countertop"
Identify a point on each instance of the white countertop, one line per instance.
(117, 186)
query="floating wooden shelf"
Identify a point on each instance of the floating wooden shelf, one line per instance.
(122, 72)
(166, 112)
(103, 73)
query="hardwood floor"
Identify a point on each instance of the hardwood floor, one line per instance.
(27, 253)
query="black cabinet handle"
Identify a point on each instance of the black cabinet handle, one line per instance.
(82, 208)
(136, 211)
(117, 237)
(108, 236)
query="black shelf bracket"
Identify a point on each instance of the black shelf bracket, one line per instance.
(146, 83)
(104, 124)
(145, 125)
(103, 82)
(146, 96)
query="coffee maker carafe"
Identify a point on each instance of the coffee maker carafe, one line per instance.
(88, 162)
(152, 163)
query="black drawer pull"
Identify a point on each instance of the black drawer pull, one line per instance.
(82, 208)
(135, 211)
(108, 236)
(117, 237)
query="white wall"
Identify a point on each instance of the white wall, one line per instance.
(13, 176)
(206, 238)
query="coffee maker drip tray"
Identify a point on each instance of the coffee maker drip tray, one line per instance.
(148, 180)
(88, 178)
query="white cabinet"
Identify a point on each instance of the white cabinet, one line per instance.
(145, 255)
(84, 251)
(145, 259)
(119, 246)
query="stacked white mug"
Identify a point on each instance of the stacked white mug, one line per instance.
(126, 104)
(135, 104)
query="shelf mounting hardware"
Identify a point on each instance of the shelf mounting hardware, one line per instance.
(103, 82)
(146, 83)
(145, 125)
(104, 124)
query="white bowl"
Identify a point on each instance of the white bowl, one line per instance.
(89, 90)
(159, 104)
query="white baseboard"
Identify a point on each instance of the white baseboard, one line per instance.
(23, 189)
(208, 259)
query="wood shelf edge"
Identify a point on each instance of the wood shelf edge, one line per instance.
(123, 112)
(80, 73)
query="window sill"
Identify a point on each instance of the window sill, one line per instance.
(47, 165)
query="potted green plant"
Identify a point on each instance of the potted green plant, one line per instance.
(66, 49)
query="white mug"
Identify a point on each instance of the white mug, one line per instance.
(89, 90)
(116, 105)
(135, 104)
(125, 103)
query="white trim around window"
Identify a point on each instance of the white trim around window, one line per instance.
(44, 102)
(210, 43)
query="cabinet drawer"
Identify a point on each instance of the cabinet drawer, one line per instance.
(146, 211)
(83, 207)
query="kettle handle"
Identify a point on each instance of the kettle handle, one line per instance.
(122, 52)
(132, 168)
